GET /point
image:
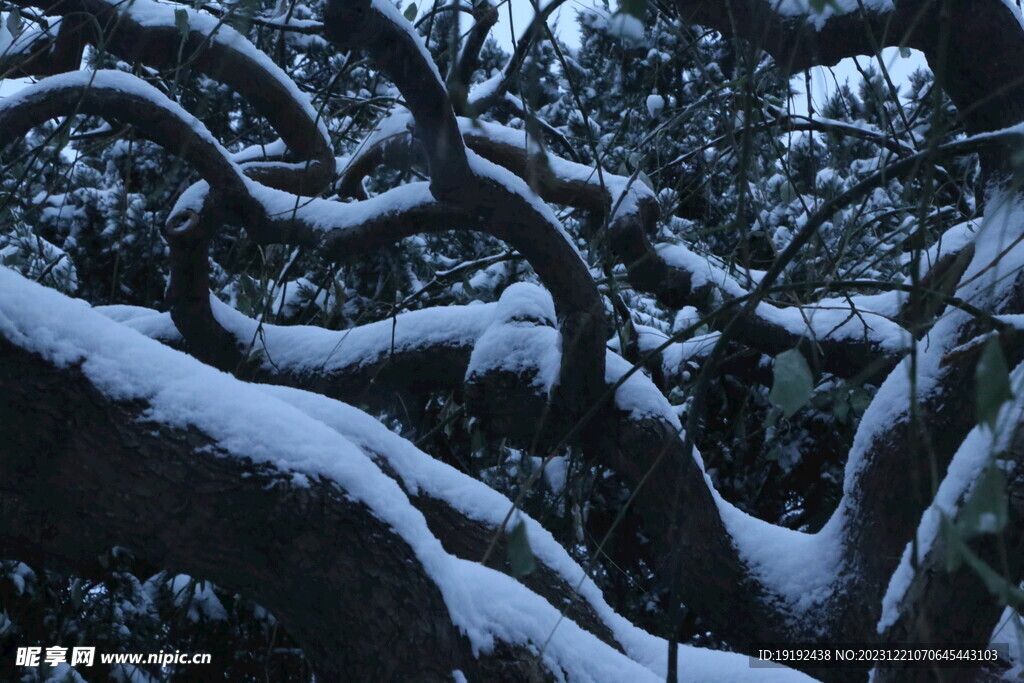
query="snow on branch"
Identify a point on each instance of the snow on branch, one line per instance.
(276, 216)
(119, 96)
(486, 95)
(977, 512)
(505, 204)
(147, 31)
(676, 275)
(377, 27)
(879, 469)
(228, 465)
(981, 32)
(841, 335)
(431, 349)
(41, 48)
(418, 351)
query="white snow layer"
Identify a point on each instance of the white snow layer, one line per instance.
(974, 454)
(801, 567)
(311, 435)
(624, 192)
(112, 80)
(831, 318)
(999, 255)
(521, 338)
(517, 186)
(302, 348)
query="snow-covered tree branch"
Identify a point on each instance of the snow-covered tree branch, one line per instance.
(585, 362)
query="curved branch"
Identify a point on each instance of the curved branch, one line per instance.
(418, 352)
(189, 503)
(434, 349)
(486, 16)
(886, 489)
(488, 94)
(377, 27)
(834, 342)
(951, 34)
(275, 216)
(799, 41)
(677, 277)
(146, 31)
(40, 52)
(503, 202)
(223, 481)
(119, 96)
(925, 597)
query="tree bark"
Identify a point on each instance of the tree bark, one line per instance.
(81, 473)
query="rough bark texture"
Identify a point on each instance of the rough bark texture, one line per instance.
(80, 473)
(85, 474)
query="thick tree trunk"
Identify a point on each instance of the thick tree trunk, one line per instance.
(81, 473)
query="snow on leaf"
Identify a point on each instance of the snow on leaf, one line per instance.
(626, 28)
(655, 103)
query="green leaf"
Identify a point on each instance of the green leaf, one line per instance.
(181, 21)
(477, 440)
(958, 552)
(860, 399)
(793, 383)
(787, 191)
(14, 21)
(992, 383)
(841, 408)
(410, 12)
(638, 8)
(986, 511)
(520, 557)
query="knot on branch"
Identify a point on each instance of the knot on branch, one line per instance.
(181, 223)
(348, 23)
